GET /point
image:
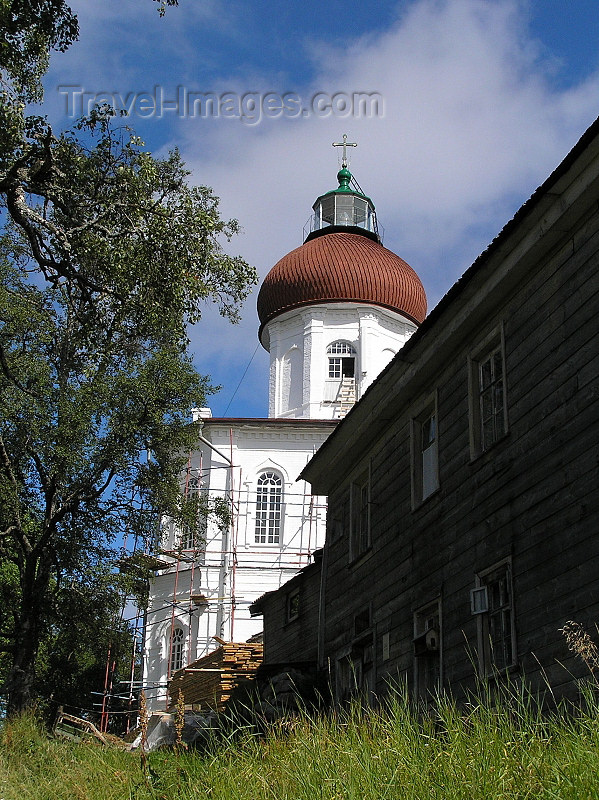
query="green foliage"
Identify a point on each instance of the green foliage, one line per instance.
(102, 213)
(106, 259)
(30, 30)
(500, 750)
(163, 5)
(76, 647)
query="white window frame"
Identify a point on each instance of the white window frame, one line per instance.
(495, 614)
(487, 400)
(424, 459)
(177, 649)
(336, 352)
(269, 508)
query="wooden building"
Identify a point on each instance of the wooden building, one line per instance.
(463, 506)
(292, 617)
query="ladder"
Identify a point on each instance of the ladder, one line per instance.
(346, 396)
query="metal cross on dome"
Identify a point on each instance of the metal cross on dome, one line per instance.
(344, 144)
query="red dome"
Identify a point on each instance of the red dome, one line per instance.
(341, 267)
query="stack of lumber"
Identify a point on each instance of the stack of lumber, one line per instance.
(207, 683)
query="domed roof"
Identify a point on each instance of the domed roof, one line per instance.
(341, 267)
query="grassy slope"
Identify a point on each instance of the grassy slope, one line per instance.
(506, 752)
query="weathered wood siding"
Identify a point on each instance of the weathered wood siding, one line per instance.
(532, 497)
(292, 641)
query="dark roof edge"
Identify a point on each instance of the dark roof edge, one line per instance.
(525, 209)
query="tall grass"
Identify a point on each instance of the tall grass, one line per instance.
(488, 749)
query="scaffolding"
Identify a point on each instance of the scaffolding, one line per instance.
(223, 550)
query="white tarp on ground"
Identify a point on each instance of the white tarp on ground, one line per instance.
(162, 733)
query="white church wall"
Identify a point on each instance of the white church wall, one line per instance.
(233, 569)
(298, 352)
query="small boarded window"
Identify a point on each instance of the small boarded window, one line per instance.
(293, 605)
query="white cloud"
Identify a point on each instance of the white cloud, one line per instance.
(126, 46)
(471, 126)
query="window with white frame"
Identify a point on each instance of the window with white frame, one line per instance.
(488, 407)
(269, 503)
(492, 603)
(193, 532)
(342, 360)
(360, 515)
(425, 454)
(177, 648)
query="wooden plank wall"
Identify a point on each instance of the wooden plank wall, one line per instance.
(294, 640)
(532, 497)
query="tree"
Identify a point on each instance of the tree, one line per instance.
(82, 653)
(30, 30)
(105, 260)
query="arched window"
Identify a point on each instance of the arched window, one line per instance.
(269, 500)
(193, 533)
(342, 360)
(177, 646)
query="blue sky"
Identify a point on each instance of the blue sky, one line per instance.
(479, 101)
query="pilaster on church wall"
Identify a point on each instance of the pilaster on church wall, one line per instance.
(313, 321)
(273, 331)
(368, 349)
(291, 376)
(286, 366)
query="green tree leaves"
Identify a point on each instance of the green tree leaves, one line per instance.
(106, 258)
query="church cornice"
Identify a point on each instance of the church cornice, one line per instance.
(266, 422)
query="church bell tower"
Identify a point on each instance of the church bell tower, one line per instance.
(334, 311)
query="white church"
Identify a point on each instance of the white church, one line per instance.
(332, 312)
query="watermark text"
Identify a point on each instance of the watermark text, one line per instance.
(249, 107)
